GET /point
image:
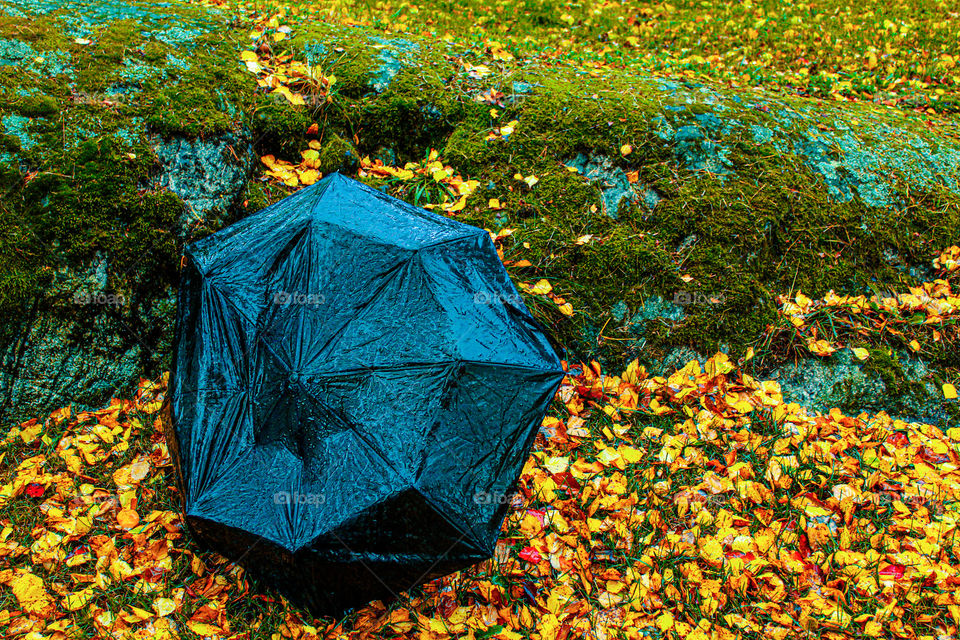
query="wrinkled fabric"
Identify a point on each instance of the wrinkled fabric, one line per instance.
(355, 389)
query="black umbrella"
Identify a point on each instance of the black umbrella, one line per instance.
(356, 387)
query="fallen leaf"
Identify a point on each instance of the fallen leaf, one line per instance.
(31, 594)
(128, 518)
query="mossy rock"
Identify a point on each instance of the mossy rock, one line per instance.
(337, 155)
(729, 198)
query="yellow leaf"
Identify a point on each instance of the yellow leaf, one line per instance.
(665, 621)
(712, 552)
(494, 203)
(456, 206)
(531, 180)
(861, 353)
(32, 595)
(626, 150)
(204, 630)
(543, 287)
(164, 606)
(820, 347)
(556, 464)
(915, 345)
(77, 600)
(949, 391)
(566, 309)
(29, 434)
(476, 71)
(309, 177)
(292, 98)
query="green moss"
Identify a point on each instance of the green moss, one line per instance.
(190, 111)
(337, 154)
(281, 128)
(769, 227)
(9, 143)
(33, 106)
(407, 116)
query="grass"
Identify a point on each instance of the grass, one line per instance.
(901, 52)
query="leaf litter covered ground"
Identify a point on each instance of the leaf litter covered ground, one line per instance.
(702, 504)
(697, 504)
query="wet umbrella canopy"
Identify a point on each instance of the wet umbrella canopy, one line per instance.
(356, 388)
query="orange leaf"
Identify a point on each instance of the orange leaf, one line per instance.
(128, 518)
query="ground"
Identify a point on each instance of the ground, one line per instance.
(682, 185)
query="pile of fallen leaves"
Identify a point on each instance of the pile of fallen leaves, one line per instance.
(280, 74)
(420, 177)
(700, 504)
(823, 326)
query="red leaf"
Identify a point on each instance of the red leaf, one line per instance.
(898, 439)
(530, 555)
(35, 490)
(894, 571)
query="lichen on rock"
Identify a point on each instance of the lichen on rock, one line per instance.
(205, 173)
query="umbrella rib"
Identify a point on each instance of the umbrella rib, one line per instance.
(479, 234)
(212, 282)
(261, 218)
